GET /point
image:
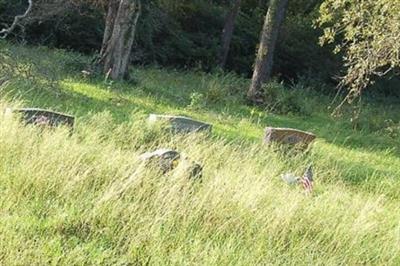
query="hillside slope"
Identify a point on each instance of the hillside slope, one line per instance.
(85, 198)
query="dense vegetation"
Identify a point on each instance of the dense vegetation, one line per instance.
(368, 34)
(86, 199)
(168, 38)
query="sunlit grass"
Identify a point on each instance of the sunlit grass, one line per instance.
(80, 199)
(87, 199)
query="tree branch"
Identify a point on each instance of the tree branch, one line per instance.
(5, 32)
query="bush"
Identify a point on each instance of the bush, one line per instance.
(197, 100)
(294, 100)
(223, 88)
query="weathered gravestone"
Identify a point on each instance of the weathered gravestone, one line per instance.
(168, 160)
(181, 124)
(165, 158)
(288, 136)
(43, 117)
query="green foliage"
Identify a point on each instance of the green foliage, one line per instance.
(298, 53)
(294, 100)
(369, 38)
(392, 129)
(223, 88)
(197, 100)
(61, 24)
(186, 34)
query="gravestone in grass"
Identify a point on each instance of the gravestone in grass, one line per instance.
(181, 124)
(195, 171)
(167, 160)
(289, 136)
(42, 117)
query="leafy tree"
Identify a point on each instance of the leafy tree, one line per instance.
(368, 34)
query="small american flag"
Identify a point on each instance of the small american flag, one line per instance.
(307, 180)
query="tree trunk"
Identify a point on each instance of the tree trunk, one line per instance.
(119, 34)
(110, 19)
(265, 56)
(228, 32)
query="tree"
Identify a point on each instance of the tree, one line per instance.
(227, 33)
(368, 34)
(265, 55)
(119, 34)
(6, 31)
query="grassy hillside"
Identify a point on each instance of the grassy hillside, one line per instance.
(86, 198)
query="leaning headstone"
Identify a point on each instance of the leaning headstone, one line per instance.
(195, 171)
(42, 117)
(288, 136)
(167, 160)
(181, 124)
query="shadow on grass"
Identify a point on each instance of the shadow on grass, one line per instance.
(81, 97)
(234, 123)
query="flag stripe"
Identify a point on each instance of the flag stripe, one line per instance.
(307, 181)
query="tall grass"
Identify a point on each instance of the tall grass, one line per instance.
(87, 199)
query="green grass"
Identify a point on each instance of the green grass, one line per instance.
(86, 199)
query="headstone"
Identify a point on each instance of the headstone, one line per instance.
(196, 171)
(167, 160)
(181, 124)
(43, 117)
(288, 136)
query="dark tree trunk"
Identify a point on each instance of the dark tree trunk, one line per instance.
(265, 56)
(119, 34)
(228, 32)
(110, 20)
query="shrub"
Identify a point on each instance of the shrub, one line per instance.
(282, 100)
(197, 100)
(392, 129)
(221, 88)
